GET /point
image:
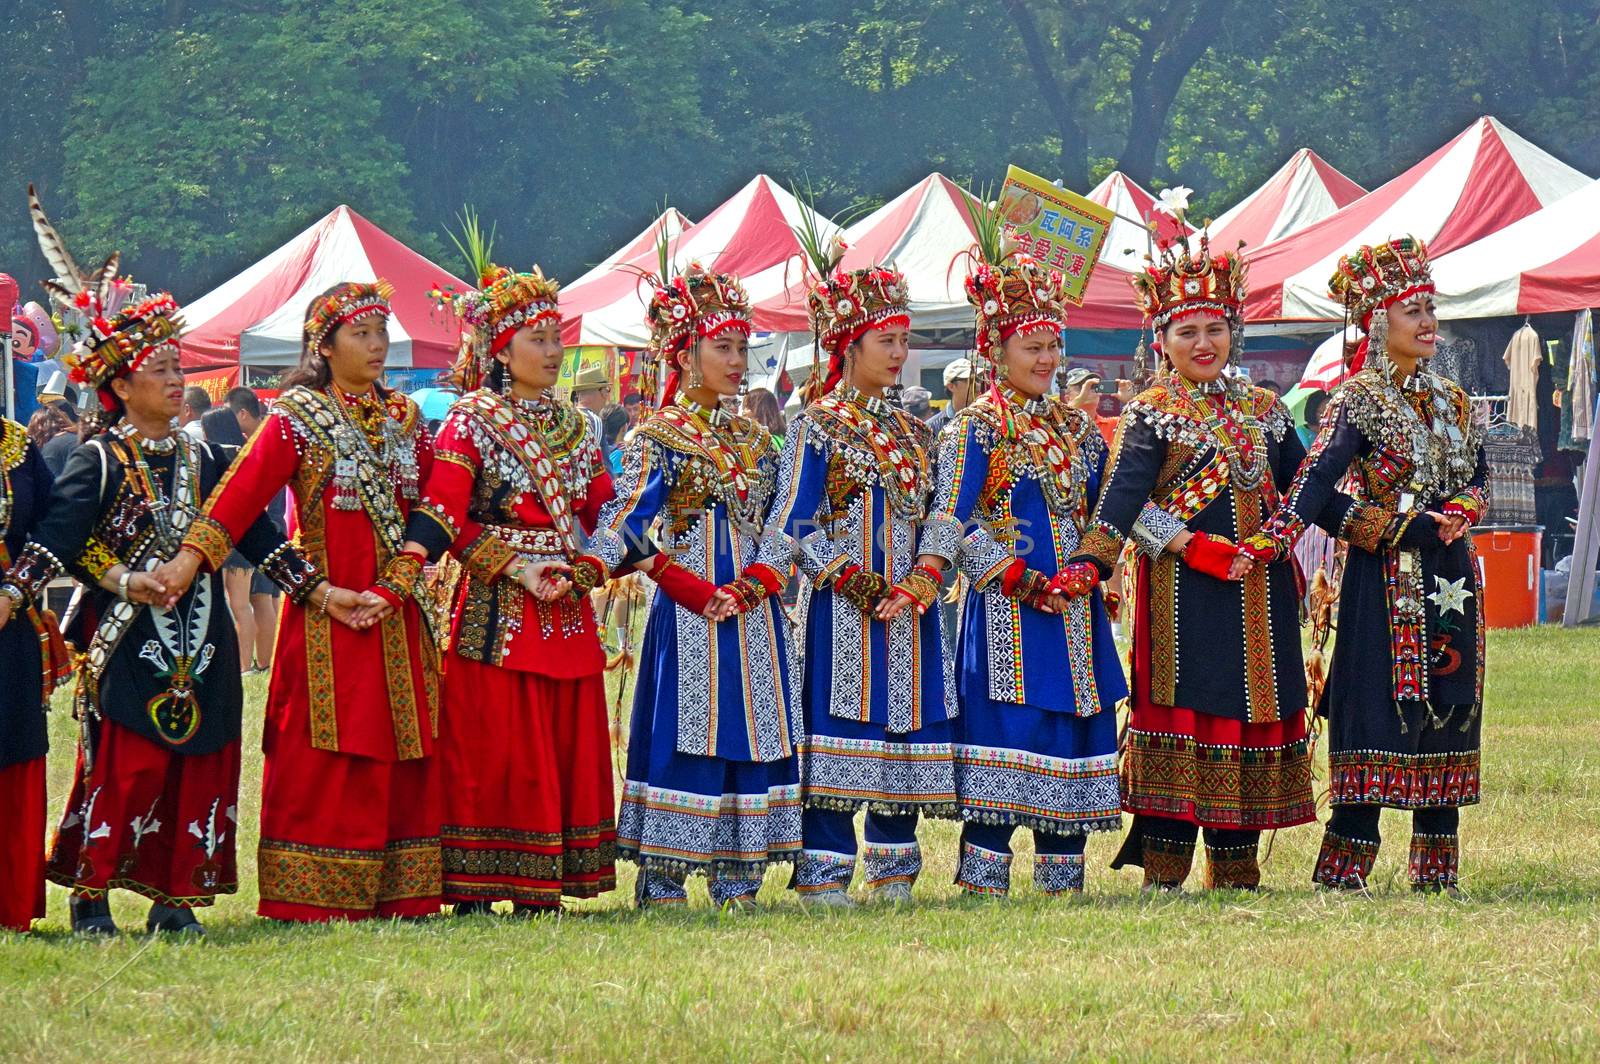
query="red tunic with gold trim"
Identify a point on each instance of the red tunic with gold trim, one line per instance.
(350, 816)
(524, 745)
(1217, 735)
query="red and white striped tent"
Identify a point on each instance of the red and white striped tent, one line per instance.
(255, 318)
(671, 222)
(1128, 240)
(1306, 189)
(1546, 263)
(750, 233)
(1481, 181)
(923, 232)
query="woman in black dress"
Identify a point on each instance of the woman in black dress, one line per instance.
(1404, 698)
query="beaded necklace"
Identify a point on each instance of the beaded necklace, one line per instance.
(1055, 456)
(171, 513)
(895, 454)
(1234, 431)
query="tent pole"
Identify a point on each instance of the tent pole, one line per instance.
(1586, 544)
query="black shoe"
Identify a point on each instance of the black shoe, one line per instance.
(91, 916)
(473, 908)
(173, 921)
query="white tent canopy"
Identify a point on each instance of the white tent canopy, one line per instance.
(1547, 262)
(1306, 189)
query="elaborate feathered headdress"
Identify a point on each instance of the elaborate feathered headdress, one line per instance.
(845, 304)
(695, 305)
(117, 337)
(504, 302)
(1375, 278)
(1185, 278)
(1011, 292)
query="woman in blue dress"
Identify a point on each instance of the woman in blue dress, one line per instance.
(711, 783)
(876, 688)
(1018, 474)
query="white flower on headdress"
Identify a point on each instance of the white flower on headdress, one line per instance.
(991, 307)
(680, 311)
(1174, 200)
(1369, 282)
(1191, 287)
(1041, 293)
(845, 306)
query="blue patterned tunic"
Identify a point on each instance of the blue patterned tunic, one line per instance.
(1036, 742)
(711, 779)
(878, 697)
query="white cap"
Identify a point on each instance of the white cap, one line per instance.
(960, 369)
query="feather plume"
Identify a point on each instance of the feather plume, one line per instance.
(104, 280)
(68, 276)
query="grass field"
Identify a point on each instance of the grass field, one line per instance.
(1511, 973)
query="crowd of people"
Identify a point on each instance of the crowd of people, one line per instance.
(413, 763)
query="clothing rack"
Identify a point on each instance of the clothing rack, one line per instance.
(1489, 410)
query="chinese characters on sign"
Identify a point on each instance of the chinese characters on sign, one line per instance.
(1061, 229)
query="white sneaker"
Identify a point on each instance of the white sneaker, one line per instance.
(828, 899)
(896, 893)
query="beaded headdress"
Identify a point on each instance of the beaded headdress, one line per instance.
(1371, 280)
(695, 305)
(117, 336)
(1013, 294)
(350, 302)
(116, 345)
(504, 302)
(1183, 279)
(845, 305)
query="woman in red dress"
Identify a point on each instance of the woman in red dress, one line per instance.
(518, 480)
(349, 801)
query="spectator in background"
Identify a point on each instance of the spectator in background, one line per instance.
(591, 394)
(633, 403)
(196, 403)
(918, 402)
(1270, 385)
(252, 598)
(761, 406)
(246, 408)
(958, 385)
(615, 425)
(60, 447)
(1081, 387)
(1311, 413)
(45, 425)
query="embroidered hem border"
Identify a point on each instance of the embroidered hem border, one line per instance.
(160, 897)
(1403, 781)
(331, 878)
(526, 866)
(1025, 789)
(1218, 786)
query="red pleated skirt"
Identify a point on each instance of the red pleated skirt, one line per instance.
(22, 811)
(345, 837)
(146, 819)
(529, 807)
